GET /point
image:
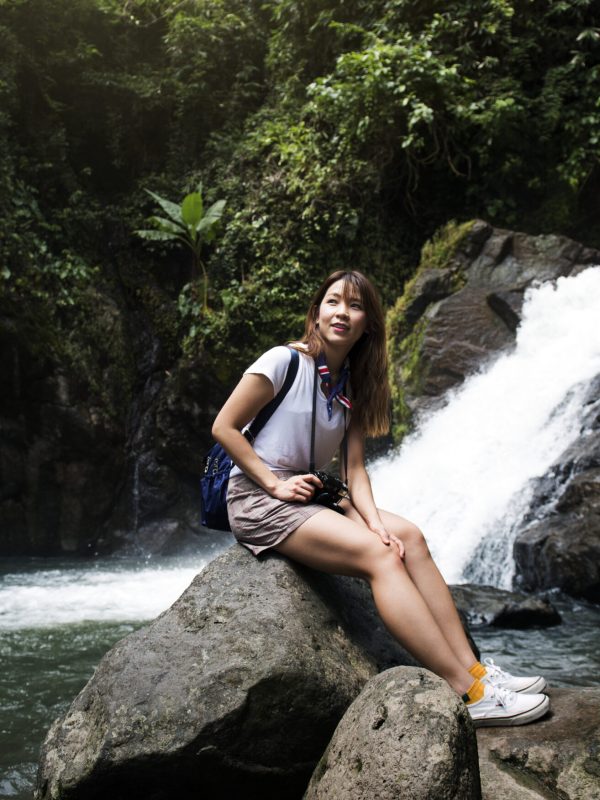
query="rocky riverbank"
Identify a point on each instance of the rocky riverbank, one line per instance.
(240, 685)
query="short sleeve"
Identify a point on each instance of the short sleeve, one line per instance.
(274, 364)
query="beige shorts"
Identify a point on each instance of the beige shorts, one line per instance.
(259, 521)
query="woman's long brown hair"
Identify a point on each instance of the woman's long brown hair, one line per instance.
(368, 357)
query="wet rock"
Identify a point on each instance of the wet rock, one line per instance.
(461, 333)
(188, 403)
(455, 317)
(563, 551)
(234, 691)
(487, 605)
(407, 736)
(62, 436)
(558, 756)
(559, 545)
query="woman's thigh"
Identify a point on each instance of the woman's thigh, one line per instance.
(343, 545)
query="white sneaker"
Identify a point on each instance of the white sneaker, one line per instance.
(502, 707)
(504, 680)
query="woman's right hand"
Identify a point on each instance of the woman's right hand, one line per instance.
(297, 489)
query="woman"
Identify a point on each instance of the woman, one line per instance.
(271, 489)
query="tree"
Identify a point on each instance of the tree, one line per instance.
(190, 224)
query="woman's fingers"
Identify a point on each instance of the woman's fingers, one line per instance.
(299, 488)
(390, 539)
(399, 544)
(382, 533)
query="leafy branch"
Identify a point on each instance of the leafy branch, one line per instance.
(188, 223)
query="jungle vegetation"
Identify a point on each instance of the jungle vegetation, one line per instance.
(337, 132)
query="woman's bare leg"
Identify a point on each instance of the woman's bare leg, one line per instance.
(332, 543)
(429, 581)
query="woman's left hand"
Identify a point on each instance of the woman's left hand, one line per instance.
(388, 538)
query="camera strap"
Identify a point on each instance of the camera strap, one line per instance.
(312, 426)
(312, 431)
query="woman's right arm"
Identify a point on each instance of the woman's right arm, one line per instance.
(252, 393)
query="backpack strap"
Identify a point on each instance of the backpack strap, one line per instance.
(266, 412)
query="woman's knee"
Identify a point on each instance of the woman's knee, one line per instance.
(412, 537)
(382, 558)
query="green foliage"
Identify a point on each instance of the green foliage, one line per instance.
(342, 134)
(439, 251)
(188, 223)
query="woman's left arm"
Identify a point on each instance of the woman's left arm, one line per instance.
(361, 493)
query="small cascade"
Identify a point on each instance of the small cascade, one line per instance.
(466, 475)
(135, 494)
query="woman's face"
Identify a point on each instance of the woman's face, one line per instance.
(342, 319)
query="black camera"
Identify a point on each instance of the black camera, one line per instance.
(334, 490)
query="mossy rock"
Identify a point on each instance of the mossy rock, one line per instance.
(440, 274)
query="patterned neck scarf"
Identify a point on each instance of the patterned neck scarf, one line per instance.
(334, 393)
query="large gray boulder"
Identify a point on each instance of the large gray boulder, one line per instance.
(407, 736)
(559, 756)
(234, 691)
(464, 306)
(487, 605)
(559, 545)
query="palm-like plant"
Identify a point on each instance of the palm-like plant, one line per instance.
(188, 223)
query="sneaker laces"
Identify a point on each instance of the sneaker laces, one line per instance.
(503, 697)
(495, 673)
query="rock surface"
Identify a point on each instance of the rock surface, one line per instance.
(407, 736)
(100, 443)
(465, 308)
(62, 433)
(558, 757)
(560, 543)
(234, 691)
(487, 605)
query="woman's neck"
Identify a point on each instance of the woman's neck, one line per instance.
(335, 360)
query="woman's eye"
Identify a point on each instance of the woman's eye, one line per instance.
(357, 305)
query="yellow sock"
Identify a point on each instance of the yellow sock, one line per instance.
(478, 670)
(474, 692)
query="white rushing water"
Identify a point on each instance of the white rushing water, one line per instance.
(105, 591)
(464, 476)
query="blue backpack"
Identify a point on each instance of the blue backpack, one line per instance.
(218, 464)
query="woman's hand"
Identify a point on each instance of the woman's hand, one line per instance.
(297, 489)
(387, 538)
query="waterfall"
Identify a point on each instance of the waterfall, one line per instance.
(465, 475)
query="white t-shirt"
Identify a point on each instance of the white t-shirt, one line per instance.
(284, 442)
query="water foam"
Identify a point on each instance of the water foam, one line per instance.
(465, 474)
(100, 592)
